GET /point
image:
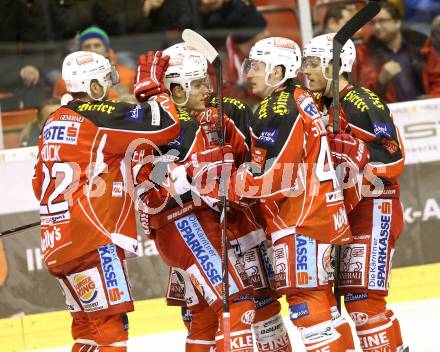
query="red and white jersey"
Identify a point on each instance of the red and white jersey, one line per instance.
(83, 175)
(365, 116)
(291, 170)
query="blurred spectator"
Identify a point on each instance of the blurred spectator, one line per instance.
(435, 34)
(242, 33)
(144, 16)
(398, 64)
(21, 85)
(421, 10)
(64, 18)
(234, 15)
(96, 40)
(336, 17)
(29, 134)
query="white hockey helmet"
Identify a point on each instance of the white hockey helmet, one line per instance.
(185, 66)
(81, 67)
(275, 51)
(322, 47)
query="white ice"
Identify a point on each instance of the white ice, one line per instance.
(419, 321)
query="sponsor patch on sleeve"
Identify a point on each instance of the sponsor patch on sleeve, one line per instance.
(268, 136)
(310, 108)
(135, 114)
(298, 311)
(382, 129)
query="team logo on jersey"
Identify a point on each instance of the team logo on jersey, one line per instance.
(85, 288)
(117, 189)
(305, 262)
(135, 114)
(114, 277)
(63, 132)
(268, 136)
(379, 244)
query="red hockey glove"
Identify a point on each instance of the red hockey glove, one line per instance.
(210, 162)
(150, 72)
(346, 148)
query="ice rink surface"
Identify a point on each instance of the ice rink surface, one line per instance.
(419, 321)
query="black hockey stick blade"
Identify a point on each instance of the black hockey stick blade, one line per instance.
(195, 40)
(359, 20)
(19, 228)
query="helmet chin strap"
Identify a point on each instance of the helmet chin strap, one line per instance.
(328, 84)
(106, 88)
(271, 87)
(184, 102)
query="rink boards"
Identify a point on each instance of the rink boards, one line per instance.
(48, 330)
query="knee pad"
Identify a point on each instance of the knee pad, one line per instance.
(374, 328)
(186, 317)
(341, 325)
(271, 335)
(202, 330)
(322, 337)
(308, 308)
(242, 314)
(82, 345)
(397, 332)
(266, 307)
(105, 331)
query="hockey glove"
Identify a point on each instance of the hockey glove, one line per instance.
(150, 73)
(210, 161)
(347, 149)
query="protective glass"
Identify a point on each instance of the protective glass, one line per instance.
(205, 81)
(114, 75)
(249, 64)
(310, 62)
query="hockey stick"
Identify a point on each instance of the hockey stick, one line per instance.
(346, 32)
(201, 44)
(19, 228)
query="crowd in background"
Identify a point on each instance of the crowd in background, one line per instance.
(398, 54)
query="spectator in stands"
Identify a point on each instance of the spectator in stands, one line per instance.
(421, 11)
(231, 15)
(398, 64)
(435, 34)
(96, 40)
(144, 16)
(336, 17)
(29, 134)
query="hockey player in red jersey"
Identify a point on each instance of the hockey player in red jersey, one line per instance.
(303, 207)
(185, 228)
(87, 214)
(375, 216)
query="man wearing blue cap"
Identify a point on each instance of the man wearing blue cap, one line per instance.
(96, 40)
